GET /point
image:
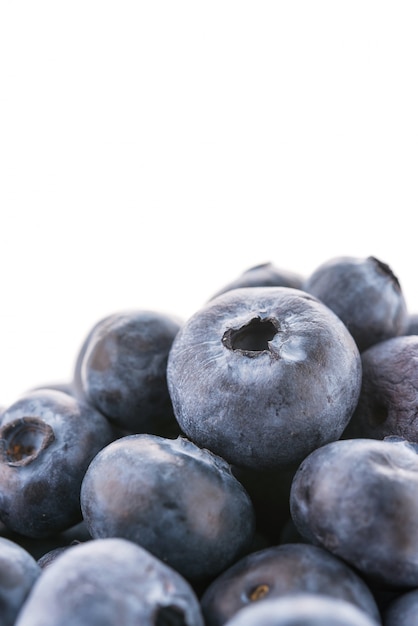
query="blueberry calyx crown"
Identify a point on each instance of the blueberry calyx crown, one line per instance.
(384, 268)
(252, 338)
(23, 440)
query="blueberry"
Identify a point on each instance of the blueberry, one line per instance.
(264, 275)
(48, 439)
(302, 610)
(403, 610)
(49, 557)
(365, 294)
(389, 393)
(263, 375)
(357, 498)
(412, 324)
(108, 582)
(278, 571)
(121, 370)
(181, 503)
(18, 573)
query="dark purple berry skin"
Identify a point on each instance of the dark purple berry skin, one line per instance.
(264, 275)
(48, 439)
(302, 609)
(181, 503)
(388, 402)
(357, 498)
(121, 370)
(278, 571)
(110, 582)
(365, 294)
(263, 375)
(18, 573)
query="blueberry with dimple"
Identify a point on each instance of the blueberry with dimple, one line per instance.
(302, 610)
(264, 275)
(365, 294)
(389, 392)
(18, 573)
(121, 370)
(178, 501)
(47, 440)
(357, 498)
(281, 570)
(107, 582)
(263, 375)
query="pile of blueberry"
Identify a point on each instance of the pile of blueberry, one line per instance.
(255, 464)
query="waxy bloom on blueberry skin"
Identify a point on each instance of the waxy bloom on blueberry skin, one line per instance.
(18, 573)
(365, 294)
(110, 582)
(389, 391)
(48, 439)
(121, 370)
(357, 498)
(307, 609)
(264, 275)
(282, 570)
(263, 375)
(180, 502)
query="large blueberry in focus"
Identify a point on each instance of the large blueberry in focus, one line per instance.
(365, 294)
(264, 275)
(121, 370)
(48, 439)
(110, 582)
(305, 609)
(18, 573)
(181, 503)
(389, 392)
(263, 375)
(357, 498)
(278, 571)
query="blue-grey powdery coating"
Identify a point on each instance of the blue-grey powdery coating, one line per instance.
(121, 370)
(109, 582)
(263, 375)
(357, 498)
(277, 571)
(264, 275)
(48, 439)
(18, 573)
(181, 503)
(365, 294)
(305, 609)
(389, 391)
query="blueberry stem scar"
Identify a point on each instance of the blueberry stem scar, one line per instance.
(252, 338)
(23, 440)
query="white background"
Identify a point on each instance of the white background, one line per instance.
(152, 151)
